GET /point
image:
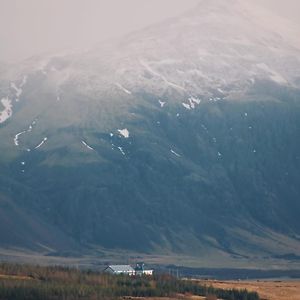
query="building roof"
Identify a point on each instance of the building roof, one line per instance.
(121, 268)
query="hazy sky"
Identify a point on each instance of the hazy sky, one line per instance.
(29, 27)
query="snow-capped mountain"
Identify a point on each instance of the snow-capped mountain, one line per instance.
(218, 48)
(186, 130)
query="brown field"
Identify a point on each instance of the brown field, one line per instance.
(15, 277)
(179, 297)
(267, 290)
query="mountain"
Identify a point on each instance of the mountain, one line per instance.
(182, 138)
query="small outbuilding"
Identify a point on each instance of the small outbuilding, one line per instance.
(140, 269)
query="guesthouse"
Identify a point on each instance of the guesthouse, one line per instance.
(120, 269)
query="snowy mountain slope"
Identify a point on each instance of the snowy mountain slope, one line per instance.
(182, 137)
(213, 46)
(216, 49)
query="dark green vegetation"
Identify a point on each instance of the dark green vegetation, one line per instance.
(209, 173)
(234, 188)
(236, 274)
(49, 283)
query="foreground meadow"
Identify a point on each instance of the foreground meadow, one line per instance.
(267, 290)
(19, 282)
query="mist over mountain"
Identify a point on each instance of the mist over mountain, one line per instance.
(179, 138)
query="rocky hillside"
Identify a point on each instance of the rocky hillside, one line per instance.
(182, 137)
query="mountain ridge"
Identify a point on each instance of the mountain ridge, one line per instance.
(172, 142)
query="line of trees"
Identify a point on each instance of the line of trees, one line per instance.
(53, 283)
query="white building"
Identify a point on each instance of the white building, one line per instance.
(141, 270)
(128, 270)
(120, 269)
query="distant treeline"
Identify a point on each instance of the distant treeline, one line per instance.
(233, 274)
(55, 283)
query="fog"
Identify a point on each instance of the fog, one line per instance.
(29, 27)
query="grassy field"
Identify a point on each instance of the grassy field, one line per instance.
(19, 282)
(268, 290)
(101, 257)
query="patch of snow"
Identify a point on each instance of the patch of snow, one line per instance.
(204, 127)
(19, 89)
(123, 89)
(153, 72)
(216, 99)
(175, 153)
(32, 124)
(195, 100)
(254, 151)
(177, 115)
(24, 80)
(121, 150)
(41, 143)
(167, 61)
(23, 163)
(86, 145)
(278, 78)
(124, 132)
(219, 154)
(111, 134)
(16, 138)
(187, 106)
(176, 86)
(192, 103)
(162, 103)
(6, 113)
(275, 76)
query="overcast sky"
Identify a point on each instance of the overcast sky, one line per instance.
(29, 27)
